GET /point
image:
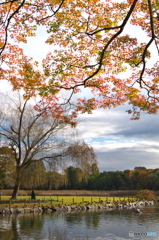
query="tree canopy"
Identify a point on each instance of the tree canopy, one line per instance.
(92, 46)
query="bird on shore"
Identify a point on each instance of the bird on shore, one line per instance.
(137, 210)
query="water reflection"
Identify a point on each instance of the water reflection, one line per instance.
(97, 225)
(20, 226)
(92, 219)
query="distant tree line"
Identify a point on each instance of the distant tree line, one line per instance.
(87, 176)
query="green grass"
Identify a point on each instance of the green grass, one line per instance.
(28, 197)
(88, 199)
(22, 201)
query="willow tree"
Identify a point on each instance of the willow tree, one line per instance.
(84, 157)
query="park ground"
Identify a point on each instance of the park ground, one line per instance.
(64, 197)
(118, 193)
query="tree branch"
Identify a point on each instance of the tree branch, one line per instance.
(8, 22)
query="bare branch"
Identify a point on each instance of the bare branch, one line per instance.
(54, 12)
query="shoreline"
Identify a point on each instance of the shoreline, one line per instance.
(135, 206)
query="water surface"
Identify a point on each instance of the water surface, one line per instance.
(97, 225)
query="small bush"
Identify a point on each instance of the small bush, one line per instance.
(24, 195)
(146, 195)
(33, 197)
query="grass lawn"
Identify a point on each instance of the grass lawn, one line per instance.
(88, 199)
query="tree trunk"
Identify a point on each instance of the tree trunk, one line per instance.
(17, 184)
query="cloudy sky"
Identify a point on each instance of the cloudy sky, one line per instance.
(118, 142)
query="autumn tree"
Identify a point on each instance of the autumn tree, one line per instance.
(34, 176)
(93, 177)
(153, 180)
(92, 45)
(54, 179)
(94, 169)
(74, 177)
(31, 135)
(83, 156)
(7, 167)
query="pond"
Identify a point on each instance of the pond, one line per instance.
(97, 225)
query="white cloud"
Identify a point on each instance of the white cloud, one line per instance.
(5, 86)
(120, 143)
(36, 46)
(107, 146)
